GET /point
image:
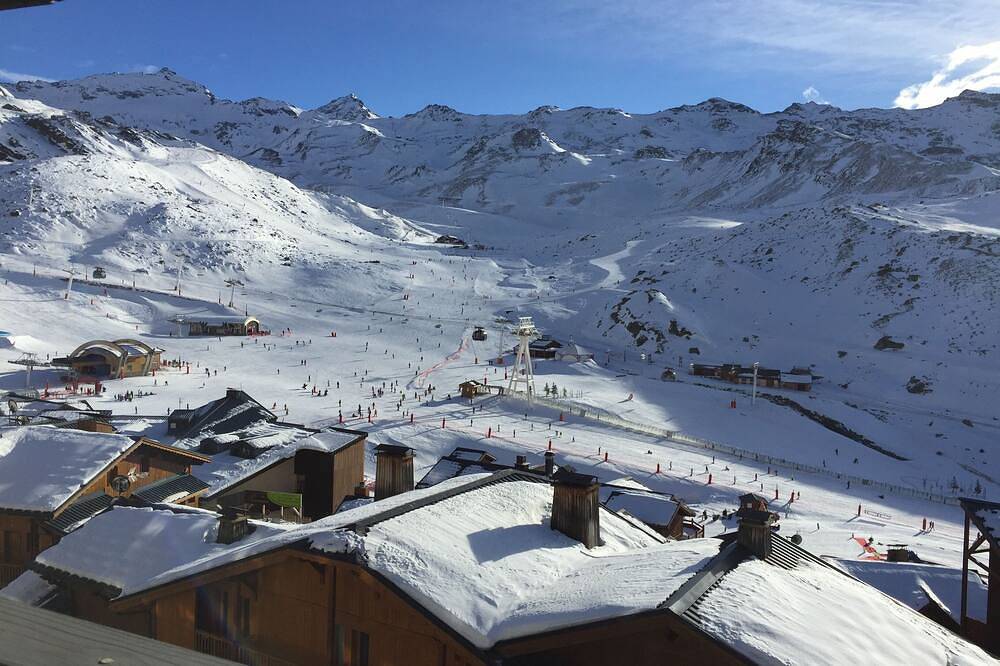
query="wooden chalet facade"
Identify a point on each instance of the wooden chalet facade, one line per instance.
(150, 470)
(298, 605)
(324, 474)
(221, 325)
(797, 379)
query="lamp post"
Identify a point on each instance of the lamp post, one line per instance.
(753, 396)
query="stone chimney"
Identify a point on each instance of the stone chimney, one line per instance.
(521, 463)
(393, 470)
(754, 532)
(575, 506)
(233, 526)
(550, 463)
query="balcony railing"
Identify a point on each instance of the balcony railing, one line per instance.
(224, 648)
(8, 572)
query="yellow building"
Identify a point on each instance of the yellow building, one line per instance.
(106, 359)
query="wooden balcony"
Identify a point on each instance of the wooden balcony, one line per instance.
(226, 649)
(8, 572)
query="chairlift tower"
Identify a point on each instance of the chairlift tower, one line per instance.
(232, 283)
(69, 281)
(522, 372)
(30, 361)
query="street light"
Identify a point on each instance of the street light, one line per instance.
(753, 397)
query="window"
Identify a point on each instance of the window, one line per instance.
(243, 616)
(211, 611)
(13, 547)
(338, 640)
(144, 464)
(359, 648)
(358, 655)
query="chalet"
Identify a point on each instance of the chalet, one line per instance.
(544, 347)
(573, 353)
(798, 379)
(234, 412)
(107, 359)
(666, 514)
(504, 568)
(53, 480)
(460, 462)
(310, 476)
(471, 388)
(218, 325)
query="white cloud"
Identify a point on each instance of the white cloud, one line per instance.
(846, 36)
(8, 76)
(966, 68)
(144, 69)
(810, 94)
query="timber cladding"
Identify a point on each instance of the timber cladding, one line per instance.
(299, 607)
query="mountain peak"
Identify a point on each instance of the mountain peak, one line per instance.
(438, 112)
(347, 107)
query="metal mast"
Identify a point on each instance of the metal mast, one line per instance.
(522, 373)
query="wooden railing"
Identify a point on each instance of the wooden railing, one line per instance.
(8, 572)
(218, 646)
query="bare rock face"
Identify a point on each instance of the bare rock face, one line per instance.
(885, 342)
(919, 386)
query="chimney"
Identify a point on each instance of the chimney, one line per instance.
(550, 463)
(233, 525)
(521, 463)
(754, 532)
(575, 507)
(393, 470)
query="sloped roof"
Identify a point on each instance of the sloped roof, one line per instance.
(227, 470)
(476, 552)
(649, 507)
(814, 614)
(233, 412)
(41, 467)
(916, 585)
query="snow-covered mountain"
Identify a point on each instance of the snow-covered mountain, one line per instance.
(862, 244)
(551, 161)
(800, 236)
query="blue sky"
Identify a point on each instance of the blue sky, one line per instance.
(513, 56)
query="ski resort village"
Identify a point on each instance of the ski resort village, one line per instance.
(285, 385)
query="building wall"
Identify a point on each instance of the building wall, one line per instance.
(281, 477)
(348, 471)
(21, 539)
(301, 611)
(636, 641)
(160, 467)
(87, 604)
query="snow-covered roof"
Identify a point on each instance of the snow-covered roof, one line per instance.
(814, 614)
(214, 319)
(488, 564)
(796, 379)
(226, 470)
(28, 588)
(484, 561)
(917, 584)
(41, 467)
(150, 546)
(650, 508)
